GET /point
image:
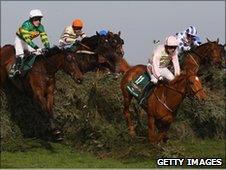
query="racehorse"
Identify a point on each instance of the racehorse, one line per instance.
(165, 99)
(39, 82)
(208, 53)
(117, 43)
(95, 52)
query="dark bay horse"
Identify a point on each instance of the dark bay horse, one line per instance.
(164, 100)
(117, 43)
(39, 83)
(95, 52)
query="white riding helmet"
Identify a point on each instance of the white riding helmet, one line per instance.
(171, 41)
(35, 13)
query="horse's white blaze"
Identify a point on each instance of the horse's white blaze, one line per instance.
(196, 78)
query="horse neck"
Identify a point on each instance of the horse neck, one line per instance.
(172, 95)
(54, 63)
(90, 42)
(201, 52)
(191, 63)
(123, 65)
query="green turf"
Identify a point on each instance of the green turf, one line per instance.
(61, 156)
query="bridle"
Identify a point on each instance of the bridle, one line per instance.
(182, 93)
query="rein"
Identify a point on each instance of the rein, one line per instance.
(87, 47)
(181, 93)
(46, 59)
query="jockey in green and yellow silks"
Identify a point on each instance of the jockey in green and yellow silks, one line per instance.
(29, 30)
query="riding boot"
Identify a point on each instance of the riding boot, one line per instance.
(16, 68)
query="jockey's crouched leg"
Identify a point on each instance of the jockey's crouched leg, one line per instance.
(17, 67)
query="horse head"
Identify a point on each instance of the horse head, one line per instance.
(105, 52)
(214, 52)
(116, 42)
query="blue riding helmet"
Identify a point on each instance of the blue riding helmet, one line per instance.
(103, 32)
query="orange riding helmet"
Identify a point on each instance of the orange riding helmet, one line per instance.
(77, 23)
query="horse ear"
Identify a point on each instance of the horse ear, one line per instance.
(207, 40)
(119, 33)
(217, 40)
(97, 33)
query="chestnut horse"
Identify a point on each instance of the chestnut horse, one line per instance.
(164, 100)
(208, 53)
(39, 82)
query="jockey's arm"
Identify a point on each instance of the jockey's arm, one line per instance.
(182, 47)
(44, 37)
(156, 62)
(67, 37)
(25, 35)
(83, 35)
(176, 64)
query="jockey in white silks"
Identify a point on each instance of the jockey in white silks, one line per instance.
(161, 59)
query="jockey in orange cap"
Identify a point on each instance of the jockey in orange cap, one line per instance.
(72, 34)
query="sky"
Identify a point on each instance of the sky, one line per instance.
(140, 22)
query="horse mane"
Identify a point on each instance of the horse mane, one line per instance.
(178, 78)
(53, 51)
(90, 41)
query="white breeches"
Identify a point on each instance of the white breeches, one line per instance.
(20, 46)
(164, 72)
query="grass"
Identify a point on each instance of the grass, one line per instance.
(61, 156)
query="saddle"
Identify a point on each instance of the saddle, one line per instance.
(141, 87)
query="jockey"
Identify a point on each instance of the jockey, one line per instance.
(103, 32)
(161, 59)
(71, 34)
(29, 30)
(188, 39)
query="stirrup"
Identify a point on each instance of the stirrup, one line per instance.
(141, 101)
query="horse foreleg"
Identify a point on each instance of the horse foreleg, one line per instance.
(166, 122)
(153, 137)
(126, 111)
(49, 105)
(39, 97)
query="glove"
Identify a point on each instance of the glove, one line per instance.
(45, 50)
(38, 51)
(160, 78)
(77, 42)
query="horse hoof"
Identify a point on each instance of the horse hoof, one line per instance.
(57, 132)
(59, 139)
(132, 134)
